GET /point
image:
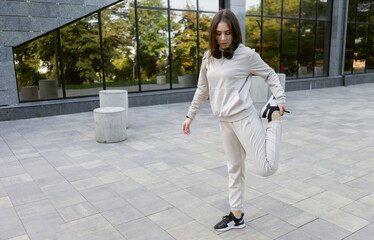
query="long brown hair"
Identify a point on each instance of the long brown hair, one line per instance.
(228, 17)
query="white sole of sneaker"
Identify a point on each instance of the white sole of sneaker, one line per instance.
(231, 227)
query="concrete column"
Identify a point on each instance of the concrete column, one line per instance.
(8, 85)
(338, 37)
(238, 7)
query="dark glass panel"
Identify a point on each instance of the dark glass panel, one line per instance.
(352, 10)
(324, 9)
(153, 3)
(184, 48)
(272, 7)
(35, 61)
(153, 49)
(253, 33)
(209, 5)
(307, 33)
(183, 4)
(363, 9)
(291, 8)
(289, 48)
(204, 23)
(349, 48)
(359, 55)
(370, 55)
(322, 49)
(81, 57)
(271, 42)
(308, 9)
(119, 43)
(253, 7)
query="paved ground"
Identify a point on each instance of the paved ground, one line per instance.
(58, 183)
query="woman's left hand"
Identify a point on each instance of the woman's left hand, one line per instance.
(282, 108)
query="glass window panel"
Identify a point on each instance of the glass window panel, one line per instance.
(204, 23)
(324, 9)
(183, 4)
(35, 61)
(291, 8)
(363, 9)
(370, 55)
(352, 10)
(322, 49)
(349, 48)
(153, 49)
(271, 42)
(253, 7)
(184, 48)
(81, 57)
(209, 5)
(289, 48)
(306, 49)
(119, 43)
(308, 9)
(359, 55)
(153, 3)
(253, 33)
(272, 7)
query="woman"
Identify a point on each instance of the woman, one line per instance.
(223, 78)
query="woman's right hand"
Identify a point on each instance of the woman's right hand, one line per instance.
(186, 126)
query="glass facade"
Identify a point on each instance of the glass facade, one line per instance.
(360, 37)
(292, 36)
(142, 45)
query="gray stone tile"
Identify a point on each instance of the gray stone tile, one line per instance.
(271, 226)
(87, 183)
(202, 190)
(322, 229)
(11, 169)
(92, 227)
(103, 198)
(143, 228)
(244, 234)
(345, 220)
(147, 202)
(196, 231)
(10, 224)
(40, 219)
(124, 214)
(364, 233)
(170, 218)
(24, 193)
(298, 235)
(61, 199)
(78, 211)
(74, 172)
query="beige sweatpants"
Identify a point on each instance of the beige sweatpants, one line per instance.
(247, 138)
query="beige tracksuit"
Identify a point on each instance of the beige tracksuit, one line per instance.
(227, 84)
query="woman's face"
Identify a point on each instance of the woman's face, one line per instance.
(223, 35)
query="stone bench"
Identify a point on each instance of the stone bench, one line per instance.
(115, 98)
(110, 124)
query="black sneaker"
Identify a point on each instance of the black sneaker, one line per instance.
(229, 222)
(270, 106)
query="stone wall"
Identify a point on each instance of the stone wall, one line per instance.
(24, 20)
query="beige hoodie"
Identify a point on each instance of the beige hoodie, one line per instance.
(226, 83)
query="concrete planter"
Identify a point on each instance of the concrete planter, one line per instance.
(29, 93)
(260, 91)
(48, 88)
(188, 80)
(161, 80)
(318, 71)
